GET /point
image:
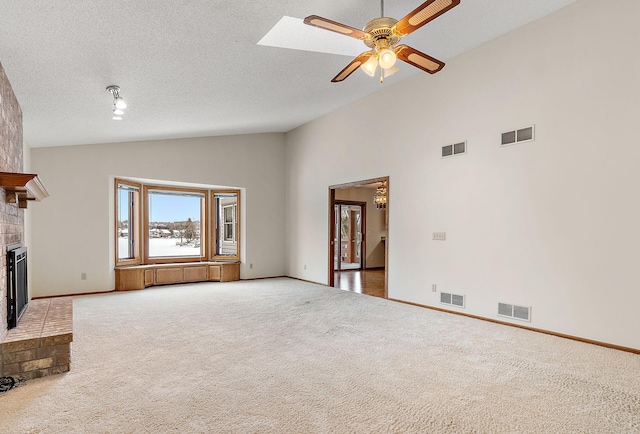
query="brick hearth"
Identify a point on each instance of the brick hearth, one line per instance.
(41, 344)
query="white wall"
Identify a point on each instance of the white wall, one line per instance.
(376, 228)
(73, 228)
(551, 224)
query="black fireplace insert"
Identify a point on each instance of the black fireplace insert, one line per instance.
(17, 293)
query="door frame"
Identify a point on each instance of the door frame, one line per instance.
(332, 226)
(363, 229)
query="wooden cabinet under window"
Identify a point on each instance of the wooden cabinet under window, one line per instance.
(142, 276)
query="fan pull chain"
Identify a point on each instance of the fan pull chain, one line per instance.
(381, 75)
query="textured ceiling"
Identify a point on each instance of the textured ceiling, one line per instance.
(191, 68)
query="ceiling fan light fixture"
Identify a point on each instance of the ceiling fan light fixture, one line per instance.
(387, 58)
(383, 35)
(388, 72)
(370, 66)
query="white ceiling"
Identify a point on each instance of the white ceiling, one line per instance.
(192, 68)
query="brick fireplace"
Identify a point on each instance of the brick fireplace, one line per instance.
(40, 345)
(11, 160)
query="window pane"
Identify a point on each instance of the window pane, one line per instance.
(127, 197)
(175, 224)
(229, 222)
(226, 240)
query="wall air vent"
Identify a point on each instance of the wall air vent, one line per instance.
(513, 311)
(525, 134)
(455, 149)
(452, 299)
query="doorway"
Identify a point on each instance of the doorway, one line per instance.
(349, 235)
(358, 237)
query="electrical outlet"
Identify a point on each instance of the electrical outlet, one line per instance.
(83, 276)
(434, 287)
(440, 236)
(305, 266)
(250, 265)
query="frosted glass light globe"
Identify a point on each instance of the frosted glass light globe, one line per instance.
(390, 71)
(120, 103)
(370, 66)
(387, 58)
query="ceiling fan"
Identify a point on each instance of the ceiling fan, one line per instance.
(382, 35)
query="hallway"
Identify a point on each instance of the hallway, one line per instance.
(368, 282)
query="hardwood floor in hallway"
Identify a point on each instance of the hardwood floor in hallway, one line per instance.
(368, 282)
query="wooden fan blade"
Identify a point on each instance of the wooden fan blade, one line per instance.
(323, 23)
(355, 64)
(418, 59)
(427, 11)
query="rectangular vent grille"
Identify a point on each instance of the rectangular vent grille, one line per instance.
(518, 136)
(513, 311)
(455, 149)
(452, 299)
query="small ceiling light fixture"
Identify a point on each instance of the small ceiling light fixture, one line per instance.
(118, 102)
(380, 196)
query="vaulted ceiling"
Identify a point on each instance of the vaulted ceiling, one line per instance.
(192, 68)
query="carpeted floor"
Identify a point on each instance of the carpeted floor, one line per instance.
(283, 356)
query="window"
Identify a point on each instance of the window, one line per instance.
(175, 222)
(172, 224)
(226, 225)
(229, 222)
(127, 223)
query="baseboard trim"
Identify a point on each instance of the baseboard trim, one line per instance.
(309, 281)
(533, 329)
(262, 278)
(71, 295)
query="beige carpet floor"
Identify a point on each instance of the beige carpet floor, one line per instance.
(283, 356)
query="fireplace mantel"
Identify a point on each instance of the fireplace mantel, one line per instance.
(22, 187)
